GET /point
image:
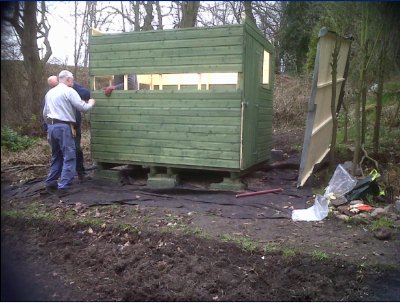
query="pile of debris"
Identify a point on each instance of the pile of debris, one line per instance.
(349, 198)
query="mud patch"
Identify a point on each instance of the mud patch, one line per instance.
(112, 265)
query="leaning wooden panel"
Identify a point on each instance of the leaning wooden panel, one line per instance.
(318, 134)
(203, 99)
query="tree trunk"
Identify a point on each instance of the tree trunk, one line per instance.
(159, 15)
(333, 104)
(24, 21)
(357, 113)
(33, 65)
(136, 10)
(379, 95)
(190, 10)
(346, 122)
(148, 18)
(248, 11)
(364, 93)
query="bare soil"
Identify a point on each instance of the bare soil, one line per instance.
(188, 244)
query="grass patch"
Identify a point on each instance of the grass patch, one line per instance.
(197, 231)
(319, 255)
(248, 244)
(270, 248)
(383, 222)
(227, 238)
(90, 221)
(297, 147)
(33, 211)
(12, 213)
(146, 220)
(289, 253)
(128, 228)
(245, 243)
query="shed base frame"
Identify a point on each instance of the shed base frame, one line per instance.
(233, 182)
(104, 171)
(162, 181)
(165, 177)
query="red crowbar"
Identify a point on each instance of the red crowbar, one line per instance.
(275, 190)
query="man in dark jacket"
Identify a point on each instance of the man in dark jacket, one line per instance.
(84, 93)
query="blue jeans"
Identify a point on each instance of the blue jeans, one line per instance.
(63, 156)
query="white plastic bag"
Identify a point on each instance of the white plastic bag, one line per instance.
(317, 212)
(340, 184)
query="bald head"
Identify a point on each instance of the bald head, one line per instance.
(52, 81)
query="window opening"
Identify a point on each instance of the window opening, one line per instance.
(184, 81)
(266, 69)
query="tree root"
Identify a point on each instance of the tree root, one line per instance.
(368, 157)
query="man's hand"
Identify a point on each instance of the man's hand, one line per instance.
(92, 101)
(108, 90)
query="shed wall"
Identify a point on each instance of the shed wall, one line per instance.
(257, 113)
(199, 129)
(216, 49)
(205, 129)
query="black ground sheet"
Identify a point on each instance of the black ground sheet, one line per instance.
(192, 193)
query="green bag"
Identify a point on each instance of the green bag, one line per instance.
(364, 188)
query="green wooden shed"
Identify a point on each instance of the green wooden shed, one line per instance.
(204, 100)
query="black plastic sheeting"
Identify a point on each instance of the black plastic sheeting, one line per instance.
(187, 196)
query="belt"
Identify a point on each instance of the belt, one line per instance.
(56, 121)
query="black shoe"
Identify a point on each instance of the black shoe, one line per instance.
(84, 178)
(51, 189)
(62, 192)
(81, 174)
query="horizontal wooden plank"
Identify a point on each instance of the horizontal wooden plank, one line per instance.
(167, 161)
(264, 125)
(228, 68)
(169, 34)
(167, 53)
(207, 129)
(167, 44)
(265, 96)
(263, 137)
(265, 111)
(167, 152)
(168, 119)
(166, 61)
(134, 142)
(166, 111)
(105, 102)
(162, 96)
(167, 135)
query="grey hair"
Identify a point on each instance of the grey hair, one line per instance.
(65, 75)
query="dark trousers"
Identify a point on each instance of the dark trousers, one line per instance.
(80, 169)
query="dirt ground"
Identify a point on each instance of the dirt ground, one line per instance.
(125, 242)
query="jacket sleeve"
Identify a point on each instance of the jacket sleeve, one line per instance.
(77, 102)
(83, 92)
